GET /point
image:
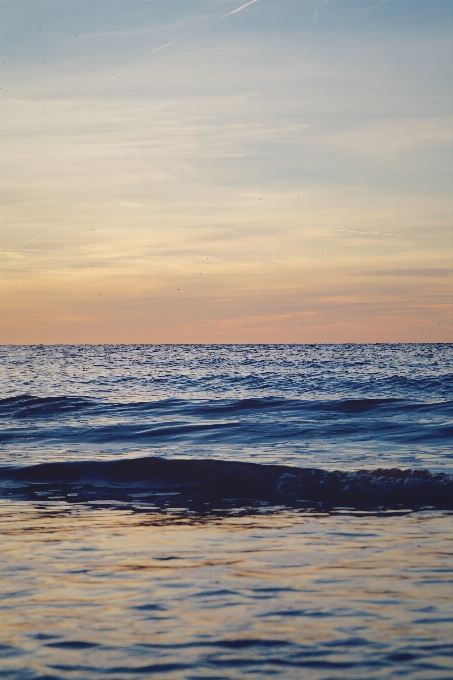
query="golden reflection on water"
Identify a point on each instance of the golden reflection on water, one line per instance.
(100, 592)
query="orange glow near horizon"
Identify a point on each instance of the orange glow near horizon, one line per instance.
(193, 174)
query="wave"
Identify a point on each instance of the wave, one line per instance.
(30, 406)
(196, 482)
(74, 419)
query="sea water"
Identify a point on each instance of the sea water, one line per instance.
(115, 568)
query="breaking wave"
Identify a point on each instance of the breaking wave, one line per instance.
(193, 482)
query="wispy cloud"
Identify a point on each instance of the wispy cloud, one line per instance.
(239, 8)
(421, 271)
(371, 233)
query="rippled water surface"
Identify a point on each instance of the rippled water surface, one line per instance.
(105, 592)
(115, 564)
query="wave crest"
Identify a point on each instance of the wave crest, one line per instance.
(214, 481)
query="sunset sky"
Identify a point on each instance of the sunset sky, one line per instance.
(178, 171)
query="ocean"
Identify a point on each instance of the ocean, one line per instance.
(226, 511)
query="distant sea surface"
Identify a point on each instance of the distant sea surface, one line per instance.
(226, 511)
(332, 406)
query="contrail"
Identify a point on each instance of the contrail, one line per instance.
(117, 75)
(238, 9)
(33, 239)
(345, 27)
(358, 18)
(162, 46)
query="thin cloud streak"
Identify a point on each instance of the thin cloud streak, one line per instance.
(117, 75)
(33, 239)
(358, 18)
(26, 250)
(372, 233)
(239, 9)
(166, 45)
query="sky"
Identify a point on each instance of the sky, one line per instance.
(215, 171)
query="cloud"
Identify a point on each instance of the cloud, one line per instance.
(410, 272)
(395, 137)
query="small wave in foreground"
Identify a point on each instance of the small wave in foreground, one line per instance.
(192, 483)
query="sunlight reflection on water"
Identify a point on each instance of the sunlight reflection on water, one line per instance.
(92, 592)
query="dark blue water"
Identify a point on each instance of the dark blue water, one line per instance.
(330, 406)
(227, 512)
